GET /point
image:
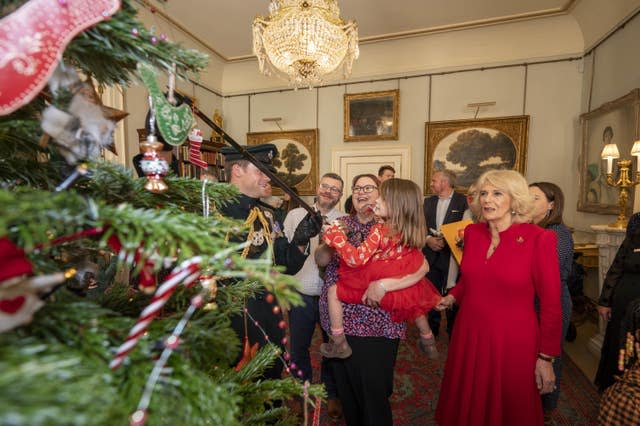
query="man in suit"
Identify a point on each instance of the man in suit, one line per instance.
(446, 206)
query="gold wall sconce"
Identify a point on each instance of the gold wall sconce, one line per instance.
(623, 183)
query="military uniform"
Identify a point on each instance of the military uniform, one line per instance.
(265, 231)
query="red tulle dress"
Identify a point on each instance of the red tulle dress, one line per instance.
(381, 256)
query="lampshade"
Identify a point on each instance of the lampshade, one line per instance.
(635, 149)
(304, 41)
(610, 150)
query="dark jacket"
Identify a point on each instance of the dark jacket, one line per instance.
(624, 270)
(457, 206)
(286, 254)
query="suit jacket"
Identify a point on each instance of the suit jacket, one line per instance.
(457, 206)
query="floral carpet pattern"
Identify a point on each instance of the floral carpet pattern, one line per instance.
(417, 386)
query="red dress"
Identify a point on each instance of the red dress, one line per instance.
(388, 259)
(489, 377)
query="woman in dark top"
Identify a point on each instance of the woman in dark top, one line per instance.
(547, 213)
(621, 286)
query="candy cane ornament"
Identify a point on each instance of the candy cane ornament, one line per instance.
(185, 273)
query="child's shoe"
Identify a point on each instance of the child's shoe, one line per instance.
(428, 346)
(339, 348)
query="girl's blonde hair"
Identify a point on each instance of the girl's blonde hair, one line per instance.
(406, 215)
(514, 184)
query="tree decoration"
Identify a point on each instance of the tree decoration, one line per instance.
(139, 417)
(82, 130)
(32, 40)
(72, 337)
(19, 292)
(195, 142)
(174, 122)
(154, 167)
(185, 273)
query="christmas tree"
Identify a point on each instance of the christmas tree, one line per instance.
(70, 225)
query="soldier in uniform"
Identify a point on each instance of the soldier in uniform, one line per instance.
(265, 231)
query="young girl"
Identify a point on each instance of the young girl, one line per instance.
(393, 248)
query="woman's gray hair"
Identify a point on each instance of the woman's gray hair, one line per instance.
(514, 184)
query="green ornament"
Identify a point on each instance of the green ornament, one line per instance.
(174, 122)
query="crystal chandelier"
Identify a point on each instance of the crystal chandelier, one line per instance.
(304, 41)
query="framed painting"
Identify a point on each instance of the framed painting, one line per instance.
(471, 147)
(614, 122)
(371, 116)
(297, 160)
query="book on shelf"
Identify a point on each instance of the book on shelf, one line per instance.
(209, 153)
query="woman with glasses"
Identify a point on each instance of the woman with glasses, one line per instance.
(365, 379)
(400, 234)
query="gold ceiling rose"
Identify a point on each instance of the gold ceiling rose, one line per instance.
(304, 41)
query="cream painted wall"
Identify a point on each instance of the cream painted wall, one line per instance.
(135, 96)
(558, 36)
(552, 101)
(596, 17)
(614, 75)
(556, 92)
(616, 65)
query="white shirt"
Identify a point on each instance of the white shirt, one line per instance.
(441, 212)
(308, 275)
(441, 209)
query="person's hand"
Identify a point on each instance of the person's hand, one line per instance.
(435, 243)
(374, 293)
(605, 313)
(445, 303)
(323, 255)
(545, 377)
(308, 228)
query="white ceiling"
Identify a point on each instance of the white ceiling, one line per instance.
(224, 26)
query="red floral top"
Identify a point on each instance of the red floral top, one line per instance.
(358, 319)
(378, 245)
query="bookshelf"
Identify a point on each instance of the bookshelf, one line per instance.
(209, 151)
(210, 154)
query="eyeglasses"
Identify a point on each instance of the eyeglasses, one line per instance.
(332, 189)
(366, 189)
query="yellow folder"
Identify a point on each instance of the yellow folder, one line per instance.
(453, 234)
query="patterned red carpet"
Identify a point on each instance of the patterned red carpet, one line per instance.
(417, 385)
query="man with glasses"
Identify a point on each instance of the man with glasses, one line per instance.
(303, 319)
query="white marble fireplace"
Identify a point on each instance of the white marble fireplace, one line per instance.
(608, 241)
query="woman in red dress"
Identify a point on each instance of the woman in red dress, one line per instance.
(500, 356)
(392, 249)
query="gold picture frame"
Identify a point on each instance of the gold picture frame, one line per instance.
(471, 147)
(297, 160)
(371, 116)
(616, 122)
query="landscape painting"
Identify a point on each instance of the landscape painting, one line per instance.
(471, 147)
(297, 160)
